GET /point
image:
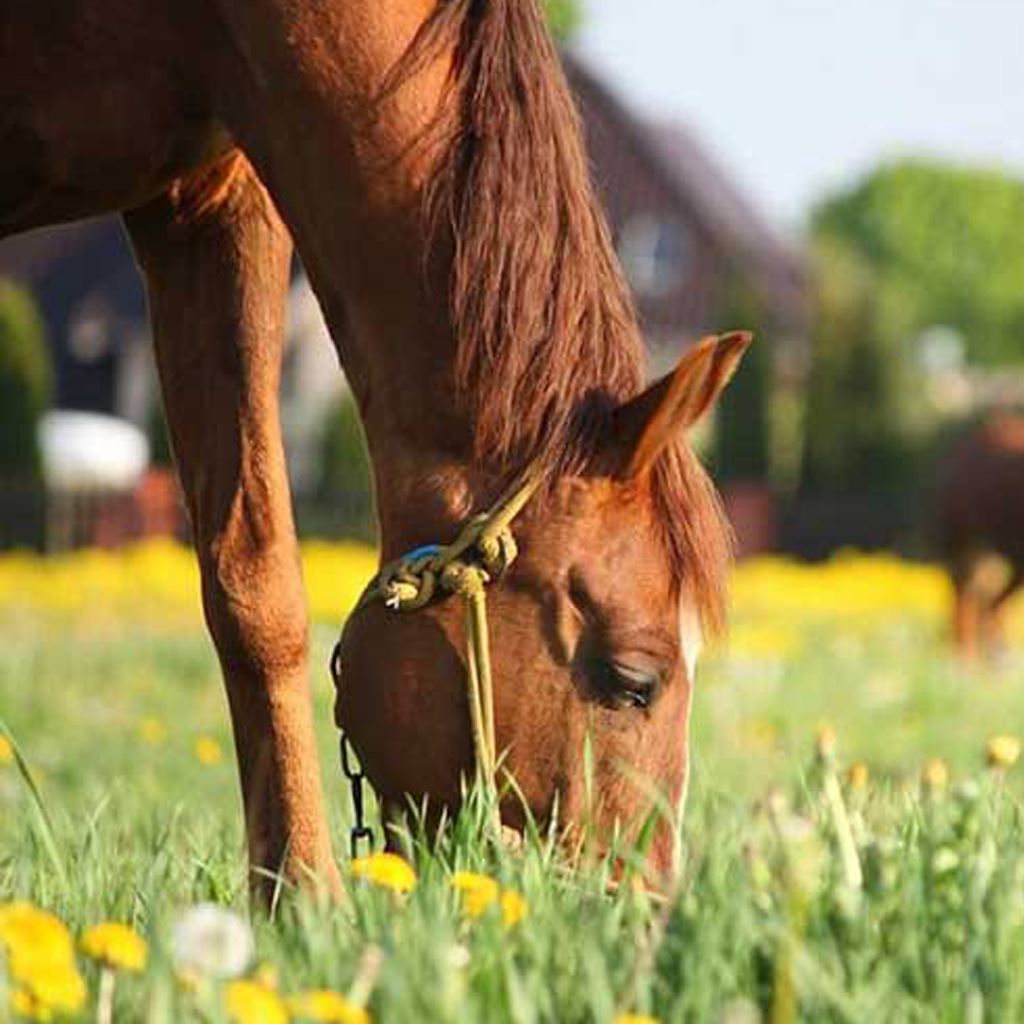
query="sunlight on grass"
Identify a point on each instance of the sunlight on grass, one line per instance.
(876, 872)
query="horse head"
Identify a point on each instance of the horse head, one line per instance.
(594, 634)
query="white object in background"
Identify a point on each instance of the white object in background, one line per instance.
(86, 450)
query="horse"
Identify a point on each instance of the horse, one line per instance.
(427, 160)
(980, 497)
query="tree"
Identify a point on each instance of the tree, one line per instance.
(948, 239)
(26, 380)
(742, 431)
(856, 434)
(564, 17)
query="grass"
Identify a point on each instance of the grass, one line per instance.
(766, 923)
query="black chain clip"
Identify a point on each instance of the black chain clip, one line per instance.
(360, 831)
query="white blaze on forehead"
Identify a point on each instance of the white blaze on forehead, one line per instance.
(690, 637)
(690, 640)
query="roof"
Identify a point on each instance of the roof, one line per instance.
(30, 258)
(688, 170)
(701, 179)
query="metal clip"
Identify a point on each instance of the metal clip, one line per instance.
(360, 831)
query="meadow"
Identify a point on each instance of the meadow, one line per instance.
(854, 839)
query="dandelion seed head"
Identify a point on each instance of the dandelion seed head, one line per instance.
(209, 940)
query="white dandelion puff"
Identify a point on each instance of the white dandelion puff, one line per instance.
(209, 940)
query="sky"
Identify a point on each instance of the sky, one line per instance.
(798, 97)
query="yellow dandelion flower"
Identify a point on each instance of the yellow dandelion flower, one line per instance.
(152, 731)
(513, 908)
(51, 989)
(248, 1002)
(935, 774)
(760, 733)
(387, 870)
(763, 642)
(1002, 751)
(208, 751)
(267, 975)
(326, 1006)
(40, 961)
(116, 946)
(476, 892)
(858, 775)
(636, 1018)
(6, 750)
(33, 940)
(24, 1005)
(825, 741)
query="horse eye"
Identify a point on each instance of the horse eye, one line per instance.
(631, 687)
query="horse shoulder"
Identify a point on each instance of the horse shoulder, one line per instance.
(99, 108)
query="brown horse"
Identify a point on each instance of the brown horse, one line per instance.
(980, 510)
(427, 160)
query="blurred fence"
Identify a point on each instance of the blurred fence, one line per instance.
(812, 527)
(808, 527)
(23, 510)
(35, 518)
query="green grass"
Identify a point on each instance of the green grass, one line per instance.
(764, 923)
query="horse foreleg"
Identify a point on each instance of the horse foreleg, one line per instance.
(966, 621)
(216, 259)
(983, 581)
(993, 638)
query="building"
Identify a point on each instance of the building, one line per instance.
(683, 229)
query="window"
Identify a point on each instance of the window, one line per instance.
(90, 330)
(654, 254)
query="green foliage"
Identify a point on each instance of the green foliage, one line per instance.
(160, 453)
(345, 464)
(742, 432)
(856, 435)
(564, 17)
(25, 383)
(949, 241)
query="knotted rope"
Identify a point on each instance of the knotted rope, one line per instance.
(482, 552)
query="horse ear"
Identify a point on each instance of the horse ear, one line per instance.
(648, 423)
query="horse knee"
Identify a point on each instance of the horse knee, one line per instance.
(256, 610)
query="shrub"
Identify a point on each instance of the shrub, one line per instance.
(26, 381)
(742, 425)
(345, 464)
(856, 431)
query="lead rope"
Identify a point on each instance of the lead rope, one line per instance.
(483, 552)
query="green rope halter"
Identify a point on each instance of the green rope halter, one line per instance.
(483, 551)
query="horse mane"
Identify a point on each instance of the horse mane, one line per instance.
(547, 338)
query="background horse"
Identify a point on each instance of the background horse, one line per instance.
(980, 508)
(427, 160)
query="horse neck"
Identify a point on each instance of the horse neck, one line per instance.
(349, 178)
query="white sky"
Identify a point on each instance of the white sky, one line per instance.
(798, 96)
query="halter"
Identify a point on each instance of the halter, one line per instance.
(482, 552)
